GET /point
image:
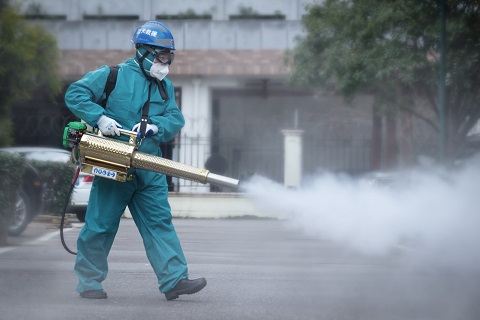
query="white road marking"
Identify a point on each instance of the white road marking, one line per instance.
(6, 249)
(43, 238)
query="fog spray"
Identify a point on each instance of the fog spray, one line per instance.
(430, 213)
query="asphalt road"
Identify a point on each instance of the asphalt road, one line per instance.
(256, 269)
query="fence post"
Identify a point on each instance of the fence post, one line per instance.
(292, 158)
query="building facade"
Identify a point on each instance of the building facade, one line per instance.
(231, 80)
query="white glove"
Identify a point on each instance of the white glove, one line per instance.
(108, 126)
(150, 130)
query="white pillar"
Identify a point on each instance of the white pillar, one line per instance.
(147, 12)
(293, 158)
(74, 10)
(196, 133)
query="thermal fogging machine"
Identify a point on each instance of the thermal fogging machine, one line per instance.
(112, 158)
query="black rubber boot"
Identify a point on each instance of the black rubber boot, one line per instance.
(186, 286)
(94, 294)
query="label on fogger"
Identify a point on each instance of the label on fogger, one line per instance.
(102, 172)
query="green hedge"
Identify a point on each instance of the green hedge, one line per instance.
(12, 167)
(56, 178)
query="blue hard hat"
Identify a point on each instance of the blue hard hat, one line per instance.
(154, 33)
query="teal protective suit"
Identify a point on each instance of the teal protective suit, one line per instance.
(146, 195)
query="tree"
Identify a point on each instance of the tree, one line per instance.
(28, 59)
(390, 49)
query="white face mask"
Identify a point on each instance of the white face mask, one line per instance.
(159, 70)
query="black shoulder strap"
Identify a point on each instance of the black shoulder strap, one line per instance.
(110, 85)
(161, 88)
(146, 107)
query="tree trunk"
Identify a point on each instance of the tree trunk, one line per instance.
(3, 236)
(391, 146)
(405, 139)
(376, 149)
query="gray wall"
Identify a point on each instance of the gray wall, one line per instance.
(188, 34)
(148, 9)
(220, 33)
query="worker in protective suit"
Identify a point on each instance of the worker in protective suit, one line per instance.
(141, 83)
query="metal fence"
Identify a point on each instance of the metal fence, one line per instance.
(226, 158)
(337, 155)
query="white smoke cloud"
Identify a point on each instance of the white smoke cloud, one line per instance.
(432, 213)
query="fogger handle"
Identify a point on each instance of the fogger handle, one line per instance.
(132, 134)
(122, 131)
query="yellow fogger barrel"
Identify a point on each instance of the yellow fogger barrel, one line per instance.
(110, 158)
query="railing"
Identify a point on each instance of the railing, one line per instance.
(225, 158)
(242, 162)
(336, 155)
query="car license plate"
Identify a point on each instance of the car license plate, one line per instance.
(102, 172)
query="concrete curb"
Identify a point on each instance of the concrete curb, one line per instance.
(209, 205)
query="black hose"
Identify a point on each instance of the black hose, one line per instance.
(67, 202)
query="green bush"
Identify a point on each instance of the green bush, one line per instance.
(56, 178)
(12, 167)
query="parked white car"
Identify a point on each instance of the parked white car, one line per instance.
(29, 201)
(81, 193)
(83, 185)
